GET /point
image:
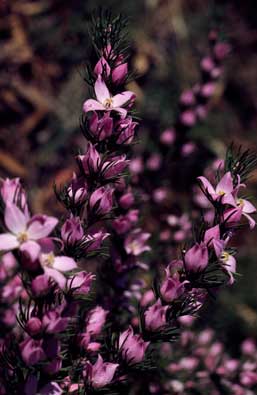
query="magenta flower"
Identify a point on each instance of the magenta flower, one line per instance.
(91, 160)
(155, 316)
(196, 258)
(114, 166)
(135, 242)
(125, 130)
(55, 266)
(96, 320)
(132, 346)
(77, 190)
(81, 282)
(102, 67)
(101, 128)
(101, 373)
(53, 322)
(22, 228)
(172, 288)
(120, 73)
(72, 231)
(223, 191)
(245, 208)
(101, 200)
(106, 102)
(32, 351)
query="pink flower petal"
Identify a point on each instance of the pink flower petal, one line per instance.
(207, 185)
(121, 111)
(41, 226)
(8, 242)
(14, 219)
(58, 277)
(31, 248)
(64, 263)
(122, 98)
(248, 207)
(92, 105)
(101, 90)
(225, 184)
(251, 221)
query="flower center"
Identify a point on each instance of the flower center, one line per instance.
(240, 202)
(108, 103)
(48, 259)
(224, 256)
(22, 237)
(221, 193)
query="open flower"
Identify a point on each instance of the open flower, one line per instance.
(132, 346)
(23, 229)
(101, 373)
(223, 191)
(105, 101)
(54, 266)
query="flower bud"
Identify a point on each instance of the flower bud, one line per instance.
(33, 326)
(196, 259)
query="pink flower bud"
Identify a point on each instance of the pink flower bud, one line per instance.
(126, 200)
(132, 346)
(96, 320)
(114, 166)
(33, 326)
(101, 128)
(40, 285)
(155, 316)
(101, 201)
(101, 373)
(207, 64)
(188, 118)
(32, 351)
(120, 73)
(72, 231)
(125, 130)
(168, 136)
(196, 259)
(81, 282)
(102, 67)
(91, 160)
(172, 288)
(187, 98)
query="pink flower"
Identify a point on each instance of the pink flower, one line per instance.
(223, 191)
(34, 326)
(155, 316)
(106, 102)
(53, 322)
(91, 160)
(246, 208)
(172, 288)
(54, 266)
(102, 67)
(81, 282)
(77, 190)
(72, 231)
(101, 128)
(96, 320)
(132, 346)
(22, 228)
(125, 130)
(196, 258)
(135, 242)
(32, 351)
(101, 373)
(120, 73)
(114, 166)
(101, 201)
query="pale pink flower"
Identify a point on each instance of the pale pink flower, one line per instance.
(23, 229)
(105, 101)
(101, 373)
(55, 266)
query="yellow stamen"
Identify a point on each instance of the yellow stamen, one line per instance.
(108, 103)
(22, 237)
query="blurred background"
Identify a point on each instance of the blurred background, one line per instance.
(44, 45)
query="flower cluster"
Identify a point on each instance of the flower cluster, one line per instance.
(74, 337)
